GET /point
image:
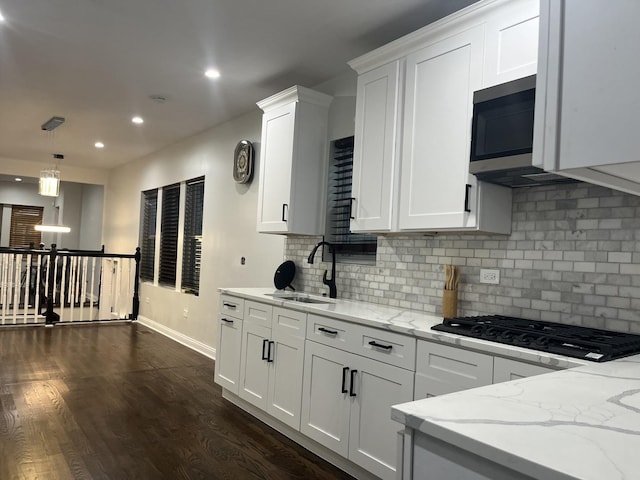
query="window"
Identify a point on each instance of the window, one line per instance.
(350, 247)
(23, 220)
(172, 246)
(169, 224)
(192, 238)
(148, 234)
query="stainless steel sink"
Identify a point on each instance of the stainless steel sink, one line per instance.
(296, 297)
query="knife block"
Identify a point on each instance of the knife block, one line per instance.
(449, 303)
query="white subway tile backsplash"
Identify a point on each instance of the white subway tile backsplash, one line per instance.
(573, 257)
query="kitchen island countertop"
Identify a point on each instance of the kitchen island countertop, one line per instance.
(582, 423)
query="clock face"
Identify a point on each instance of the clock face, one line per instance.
(243, 162)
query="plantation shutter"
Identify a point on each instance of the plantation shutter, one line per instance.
(23, 220)
(169, 235)
(192, 240)
(148, 234)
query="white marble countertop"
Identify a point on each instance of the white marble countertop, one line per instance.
(403, 321)
(582, 423)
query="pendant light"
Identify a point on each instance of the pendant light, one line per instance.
(49, 185)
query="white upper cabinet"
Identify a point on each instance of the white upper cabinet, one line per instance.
(441, 79)
(375, 161)
(293, 162)
(511, 42)
(413, 117)
(587, 93)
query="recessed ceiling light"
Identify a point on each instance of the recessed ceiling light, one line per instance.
(99, 145)
(137, 120)
(212, 73)
(18, 179)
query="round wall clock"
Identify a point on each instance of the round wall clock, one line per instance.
(243, 162)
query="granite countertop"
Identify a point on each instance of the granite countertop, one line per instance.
(408, 322)
(582, 423)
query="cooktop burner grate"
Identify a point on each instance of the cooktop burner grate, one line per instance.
(570, 340)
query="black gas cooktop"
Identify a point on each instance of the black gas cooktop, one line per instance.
(570, 340)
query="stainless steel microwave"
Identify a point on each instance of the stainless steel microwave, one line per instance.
(502, 136)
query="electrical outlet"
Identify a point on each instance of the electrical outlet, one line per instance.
(185, 313)
(489, 276)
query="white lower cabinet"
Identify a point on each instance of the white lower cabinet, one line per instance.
(442, 369)
(227, 368)
(346, 402)
(229, 346)
(505, 370)
(271, 361)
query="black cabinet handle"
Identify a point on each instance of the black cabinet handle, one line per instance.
(269, 357)
(264, 349)
(285, 207)
(351, 217)
(326, 330)
(466, 198)
(343, 389)
(352, 389)
(373, 343)
(226, 320)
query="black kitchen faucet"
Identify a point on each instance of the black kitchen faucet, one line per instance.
(331, 282)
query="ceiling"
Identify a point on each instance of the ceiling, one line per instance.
(97, 62)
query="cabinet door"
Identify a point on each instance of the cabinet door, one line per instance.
(275, 168)
(375, 159)
(505, 369)
(372, 433)
(440, 82)
(586, 116)
(325, 407)
(511, 42)
(284, 399)
(254, 368)
(227, 366)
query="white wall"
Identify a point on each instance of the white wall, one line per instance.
(229, 226)
(91, 221)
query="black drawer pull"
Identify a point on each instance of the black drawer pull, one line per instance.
(351, 217)
(352, 388)
(326, 330)
(226, 320)
(229, 305)
(344, 380)
(373, 343)
(285, 207)
(467, 190)
(269, 357)
(264, 349)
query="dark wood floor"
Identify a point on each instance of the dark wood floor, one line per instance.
(124, 402)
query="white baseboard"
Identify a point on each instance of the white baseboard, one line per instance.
(193, 344)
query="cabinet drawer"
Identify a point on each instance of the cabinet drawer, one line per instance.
(231, 306)
(388, 347)
(256, 313)
(328, 331)
(289, 323)
(505, 370)
(444, 369)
